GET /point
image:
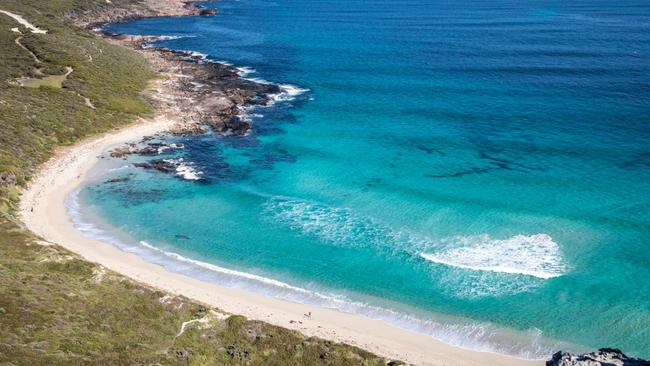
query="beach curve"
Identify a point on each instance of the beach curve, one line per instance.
(44, 212)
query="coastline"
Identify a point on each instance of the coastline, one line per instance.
(44, 212)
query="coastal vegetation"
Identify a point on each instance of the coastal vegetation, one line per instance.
(56, 308)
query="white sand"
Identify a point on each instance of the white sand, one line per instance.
(66, 171)
(24, 22)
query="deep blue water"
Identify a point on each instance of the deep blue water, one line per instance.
(475, 170)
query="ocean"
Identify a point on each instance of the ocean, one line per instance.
(478, 171)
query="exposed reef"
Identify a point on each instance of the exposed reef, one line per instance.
(144, 148)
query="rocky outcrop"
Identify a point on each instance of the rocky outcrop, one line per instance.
(208, 11)
(95, 16)
(205, 95)
(201, 94)
(149, 149)
(602, 357)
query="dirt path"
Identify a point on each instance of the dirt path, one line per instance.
(17, 41)
(24, 22)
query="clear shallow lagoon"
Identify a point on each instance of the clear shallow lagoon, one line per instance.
(478, 171)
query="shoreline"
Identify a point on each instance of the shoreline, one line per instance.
(43, 210)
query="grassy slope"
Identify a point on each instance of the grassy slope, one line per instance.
(58, 309)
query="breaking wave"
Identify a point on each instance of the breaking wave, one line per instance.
(537, 255)
(185, 169)
(534, 255)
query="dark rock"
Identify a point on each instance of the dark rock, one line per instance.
(120, 152)
(602, 357)
(181, 353)
(8, 179)
(147, 151)
(151, 149)
(165, 166)
(118, 180)
(237, 353)
(237, 125)
(188, 130)
(212, 95)
(208, 11)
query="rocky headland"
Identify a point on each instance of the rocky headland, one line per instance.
(197, 93)
(200, 94)
(94, 17)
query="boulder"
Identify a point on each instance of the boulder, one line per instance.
(208, 11)
(602, 357)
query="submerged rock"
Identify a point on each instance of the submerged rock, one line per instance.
(165, 166)
(118, 180)
(208, 11)
(602, 357)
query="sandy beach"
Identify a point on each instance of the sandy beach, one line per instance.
(44, 212)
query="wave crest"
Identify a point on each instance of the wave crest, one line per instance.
(534, 255)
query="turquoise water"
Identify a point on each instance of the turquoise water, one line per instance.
(477, 171)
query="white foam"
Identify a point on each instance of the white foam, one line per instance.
(170, 38)
(287, 93)
(185, 169)
(244, 71)
(200, 55)
(192, 54)
(119, 168)
(230, 272)
(517, 263)
(259, 81)
(292, 90)
(535, 255)
(333, 225)
(226, 63)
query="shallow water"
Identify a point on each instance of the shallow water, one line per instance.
(477, 171)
